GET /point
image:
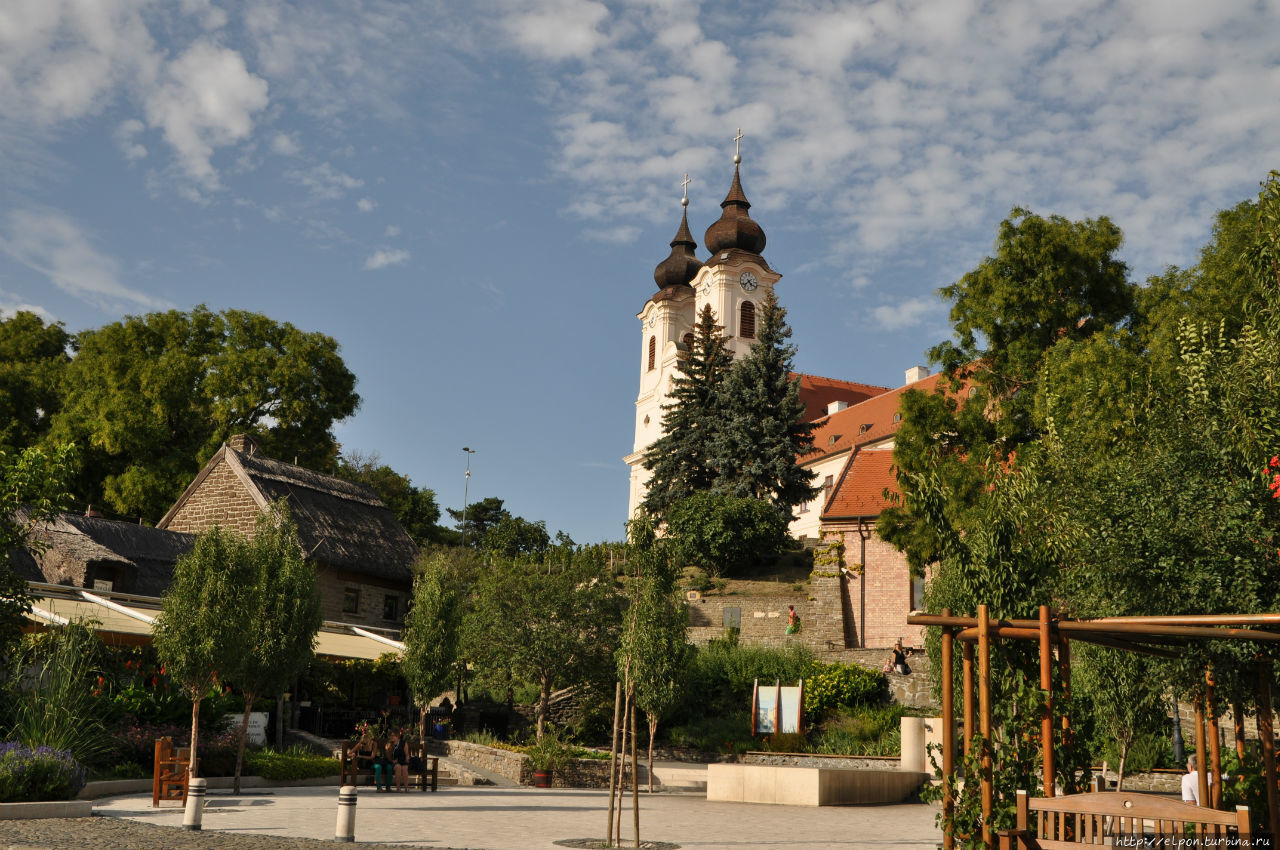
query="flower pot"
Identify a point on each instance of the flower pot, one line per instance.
(541, 779)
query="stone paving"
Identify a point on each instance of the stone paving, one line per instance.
(476, 818)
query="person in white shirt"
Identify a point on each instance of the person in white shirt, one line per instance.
(1191, 782)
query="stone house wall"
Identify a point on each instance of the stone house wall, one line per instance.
(370, 594)
(220, 500)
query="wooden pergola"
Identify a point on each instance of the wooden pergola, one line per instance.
(1155, 635)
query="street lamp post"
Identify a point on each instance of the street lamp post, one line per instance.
(465, 492)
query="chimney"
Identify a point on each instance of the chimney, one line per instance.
(917, 373)
(92, 513)
(243, 443)
(836, 407)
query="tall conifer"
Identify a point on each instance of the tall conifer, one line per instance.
(762, 429)
(679, 460)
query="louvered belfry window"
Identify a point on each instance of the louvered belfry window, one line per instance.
(748, 320)
(653, 352)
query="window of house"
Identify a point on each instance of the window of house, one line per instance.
(917, 594)
(804, 507)
(747, 322)
(390, 607)
(688, 341)
(653, 352)
(351, 600)
(897, 417)
(826, 487)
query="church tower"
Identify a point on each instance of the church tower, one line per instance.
(733, 281)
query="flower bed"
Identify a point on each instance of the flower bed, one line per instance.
(43, 773)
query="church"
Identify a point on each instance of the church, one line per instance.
(854, 423)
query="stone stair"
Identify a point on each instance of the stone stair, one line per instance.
(678, 777)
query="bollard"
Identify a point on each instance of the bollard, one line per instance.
(912, 745)
(195, 804)
(346, 828)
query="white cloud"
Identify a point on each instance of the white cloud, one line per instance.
(366, 205)
(11, 304)
(206, 99)
(906, 314)
(53, 245)
(285, 144)
(383, 257)
(125, 138)
(324, 181)
(392, 230)
(558, 29)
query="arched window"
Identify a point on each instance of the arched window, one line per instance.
(747, 321)
(688, 341)
(653, 352)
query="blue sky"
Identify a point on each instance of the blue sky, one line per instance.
(471, 197)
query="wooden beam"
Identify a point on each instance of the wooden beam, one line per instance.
(1266, 735)
(1046, 712)
(948, 737)
(1215, 757)
(984, 715)
(1202, 762)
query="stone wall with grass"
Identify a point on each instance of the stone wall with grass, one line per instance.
(763, 619)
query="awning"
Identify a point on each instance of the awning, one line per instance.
(126, 619)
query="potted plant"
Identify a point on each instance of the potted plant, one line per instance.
(547, 758)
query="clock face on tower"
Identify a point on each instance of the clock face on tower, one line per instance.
(748, 281)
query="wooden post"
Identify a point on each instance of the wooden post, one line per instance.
(1237, 727)
(1046, 713)
(966, 652)
(1064, 673)
(1266, 736)
(984, 715)
(1202, 763)
(1215, 760)
(948, 737)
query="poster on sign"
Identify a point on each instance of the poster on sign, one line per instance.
(257, 725)
(775, 708)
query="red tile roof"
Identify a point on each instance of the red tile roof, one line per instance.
(817, 393)
(860, 492)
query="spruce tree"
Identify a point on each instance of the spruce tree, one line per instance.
(680, 460)
(762, 430)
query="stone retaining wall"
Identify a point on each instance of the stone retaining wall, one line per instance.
(580, 773)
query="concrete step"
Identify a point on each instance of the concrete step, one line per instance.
(692, 778)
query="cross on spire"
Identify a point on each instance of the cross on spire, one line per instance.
(684, 188)
(737, 154)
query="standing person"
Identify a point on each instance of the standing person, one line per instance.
(1191, 782)
(793, 620)
(400, 761)
(897, 661)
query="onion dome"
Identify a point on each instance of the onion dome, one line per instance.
(735, 229)
(680, 267)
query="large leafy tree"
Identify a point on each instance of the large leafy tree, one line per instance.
(762, 430)
(552, 626)
(33, 356)
(152, 397)
(33, 487)
(205, 616)
(681, 460)
(1049, 281)
(282, 616)
(720, 533)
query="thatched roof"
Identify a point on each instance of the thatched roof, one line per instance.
(73, 544)
(339, 523)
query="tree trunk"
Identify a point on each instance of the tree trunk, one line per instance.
(244, 736)
(544, 704)
(193, 769)
(635, 778)
(622, 766)
(1124, 754)
(653, 732)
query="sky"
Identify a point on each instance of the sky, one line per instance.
(470, 197)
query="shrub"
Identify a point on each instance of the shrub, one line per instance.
(866, 731)
(723, 733)
(293, 764)
(721, 675)
(43, 773)
(832, 686)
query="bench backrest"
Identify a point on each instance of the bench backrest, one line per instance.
(1068, 821)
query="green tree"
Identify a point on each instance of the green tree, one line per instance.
(516, 537)
(680, 461)
(415, 507)
(156, 395)
(204, 617)
(722, 533)
(1126, 691)
(552, 626)
(283, 615)
(655, 649)
(33, 487)
(762, 431)
(432, 626)
(33, 356)
(475, 519)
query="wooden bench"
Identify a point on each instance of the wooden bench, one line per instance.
(1067, 822)
(426, 780)
(172, 769)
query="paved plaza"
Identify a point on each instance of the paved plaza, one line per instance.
(480, 818)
